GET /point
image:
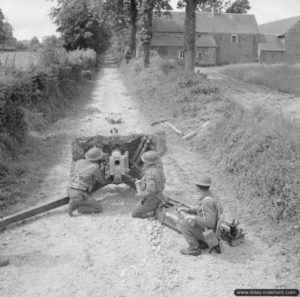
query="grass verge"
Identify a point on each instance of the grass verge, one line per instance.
(261, 152)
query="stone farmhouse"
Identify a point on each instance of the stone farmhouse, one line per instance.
(279, 41)
(221, 38)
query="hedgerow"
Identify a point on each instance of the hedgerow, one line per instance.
(46, 89)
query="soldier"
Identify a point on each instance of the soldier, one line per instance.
(150, 187)
(3, 262)
(197, 220)
(85, 173)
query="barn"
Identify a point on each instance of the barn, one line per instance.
(279, 41)
(221, 38)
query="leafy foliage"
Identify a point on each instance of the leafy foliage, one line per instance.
(239, 6)
(81, 24)
(6, 32)
(228, 6)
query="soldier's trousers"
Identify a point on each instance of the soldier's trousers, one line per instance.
(145, 207)
(192, 234)
(82, 201)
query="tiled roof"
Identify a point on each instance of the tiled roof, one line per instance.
(280, 27)
(270, 43)
(208, 23)
(178, 40)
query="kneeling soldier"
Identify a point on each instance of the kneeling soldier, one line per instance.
(150, 187)
(197, 220)
(85, 173)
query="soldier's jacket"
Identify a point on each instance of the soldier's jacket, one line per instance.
(208, 211)
(84, 174)
(153, 180)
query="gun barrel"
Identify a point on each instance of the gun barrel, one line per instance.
(173, 202)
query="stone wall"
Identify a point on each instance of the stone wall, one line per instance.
(292, 42)
(205, 56)
(244, 51)
(270, 57)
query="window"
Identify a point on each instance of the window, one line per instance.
(234, 38)
(181, 55)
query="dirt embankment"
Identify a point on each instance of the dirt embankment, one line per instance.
(112, 254)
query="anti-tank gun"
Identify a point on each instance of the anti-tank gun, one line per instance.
(123, 155)
(118, 166)
(122, 164)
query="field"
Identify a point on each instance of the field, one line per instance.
(20, 60)
(281, 77)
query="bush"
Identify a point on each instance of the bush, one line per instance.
(45, 88)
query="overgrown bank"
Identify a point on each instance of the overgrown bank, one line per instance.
(29, 101)
(260, 151)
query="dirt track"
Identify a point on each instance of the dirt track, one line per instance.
(112, 254)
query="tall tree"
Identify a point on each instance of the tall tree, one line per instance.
(191, 6)
(6, 31)
(189, 31)
(81, 23)
(133, 16)
(147, 8)
(122, 17)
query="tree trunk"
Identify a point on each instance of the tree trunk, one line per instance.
(146, 54)
(146, 29)
(189, 36)
(132, 27)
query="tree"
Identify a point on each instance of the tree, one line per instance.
(191, 6)
(189, 31)
(147, 8)
(6, 32)
(239, 6)
(34, 43)
(81, 23)
(133, 16)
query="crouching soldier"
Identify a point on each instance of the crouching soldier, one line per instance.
(150, 187)
(203, 218)
(85, 173)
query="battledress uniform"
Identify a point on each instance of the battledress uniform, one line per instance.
(152, 186)
(84, 175)
(207, 214)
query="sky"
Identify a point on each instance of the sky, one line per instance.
(31, 17)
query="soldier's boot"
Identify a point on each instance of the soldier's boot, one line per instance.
(202, 244)
(216, 248)
(87, 209)
(72, 206)
(3, 262)
(190, 251)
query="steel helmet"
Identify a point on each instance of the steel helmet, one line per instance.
(94, 154)
(151, 157)
(204, 181)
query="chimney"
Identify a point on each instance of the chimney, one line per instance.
(212, 11)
